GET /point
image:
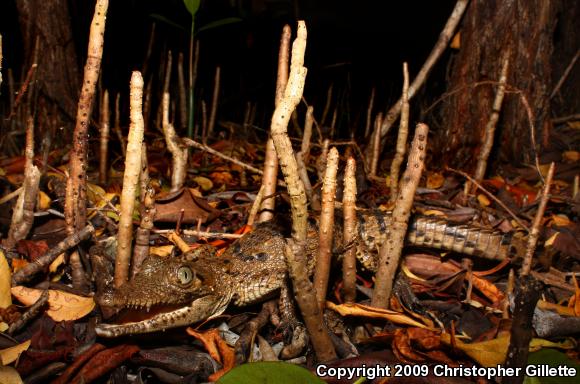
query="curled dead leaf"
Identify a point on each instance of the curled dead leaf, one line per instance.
(205, 183)
(9, 355)
(9, 375)
(62, 305)
(5, 277)
(44, 201)
(373, 312)
(217, 349)
(435, 180)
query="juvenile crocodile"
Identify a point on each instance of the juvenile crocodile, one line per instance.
(200, 285)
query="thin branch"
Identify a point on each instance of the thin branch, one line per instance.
(491, 124)
(76, 190)
(195, 144)
(535, 231)
(376, 145)
(565, 74)
(402, 136)
(270, 174)
(491, 196)
(214, 101)
(349, 232)
(294, 252)
(442, 42)
(104, 138)
(130, 180)
(192, 232)
(369, 118)
(326, 228)
(174, 144)
(29, 270)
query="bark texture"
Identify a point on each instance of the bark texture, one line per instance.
(57, 74)
(490, 28)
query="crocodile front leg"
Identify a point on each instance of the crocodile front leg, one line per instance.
(200, 309)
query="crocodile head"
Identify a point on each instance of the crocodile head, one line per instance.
(166, 293)
(161, 281)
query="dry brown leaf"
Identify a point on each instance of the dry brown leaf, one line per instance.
(487, 353)
(205, 183)
(489, 290)
(62, 305)
(44, 201)
(483, 200)
(456, 41)
(560, 221)
(434, 212)
(571, 156)
(10, 355)
(575, 299)
(403, 349)
(559, 309)
(9, 375)
(373, 312)
(224, 178)
(435, 180)
(5, 277)
(53, 267)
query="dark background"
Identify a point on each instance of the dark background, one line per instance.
(355, 45)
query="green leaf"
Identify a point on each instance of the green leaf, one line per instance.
(553, 358)
(192, 6)
(267, 372)
(219, 23)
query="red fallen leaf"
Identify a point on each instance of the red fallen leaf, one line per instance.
(15, 165)
(520, 194)
(104, 362)
(431, 267)
(427, 339)
(32, 249)
(402, 347)
(566, 241)
(50, 343)
(79, 361)
(418, 345)
(222, 177)
(217, 349)
(32, 360)
(575, 299)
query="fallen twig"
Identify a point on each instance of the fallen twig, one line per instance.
(27, 272)
(30, 313)
(491, 196)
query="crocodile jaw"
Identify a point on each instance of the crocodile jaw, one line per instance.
(203, 308)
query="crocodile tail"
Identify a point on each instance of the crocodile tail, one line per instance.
(433, 232)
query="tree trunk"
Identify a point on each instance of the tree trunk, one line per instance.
(490, 29)
(566, 45)
(46, 30)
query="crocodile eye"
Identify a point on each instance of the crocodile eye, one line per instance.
(184, 275)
